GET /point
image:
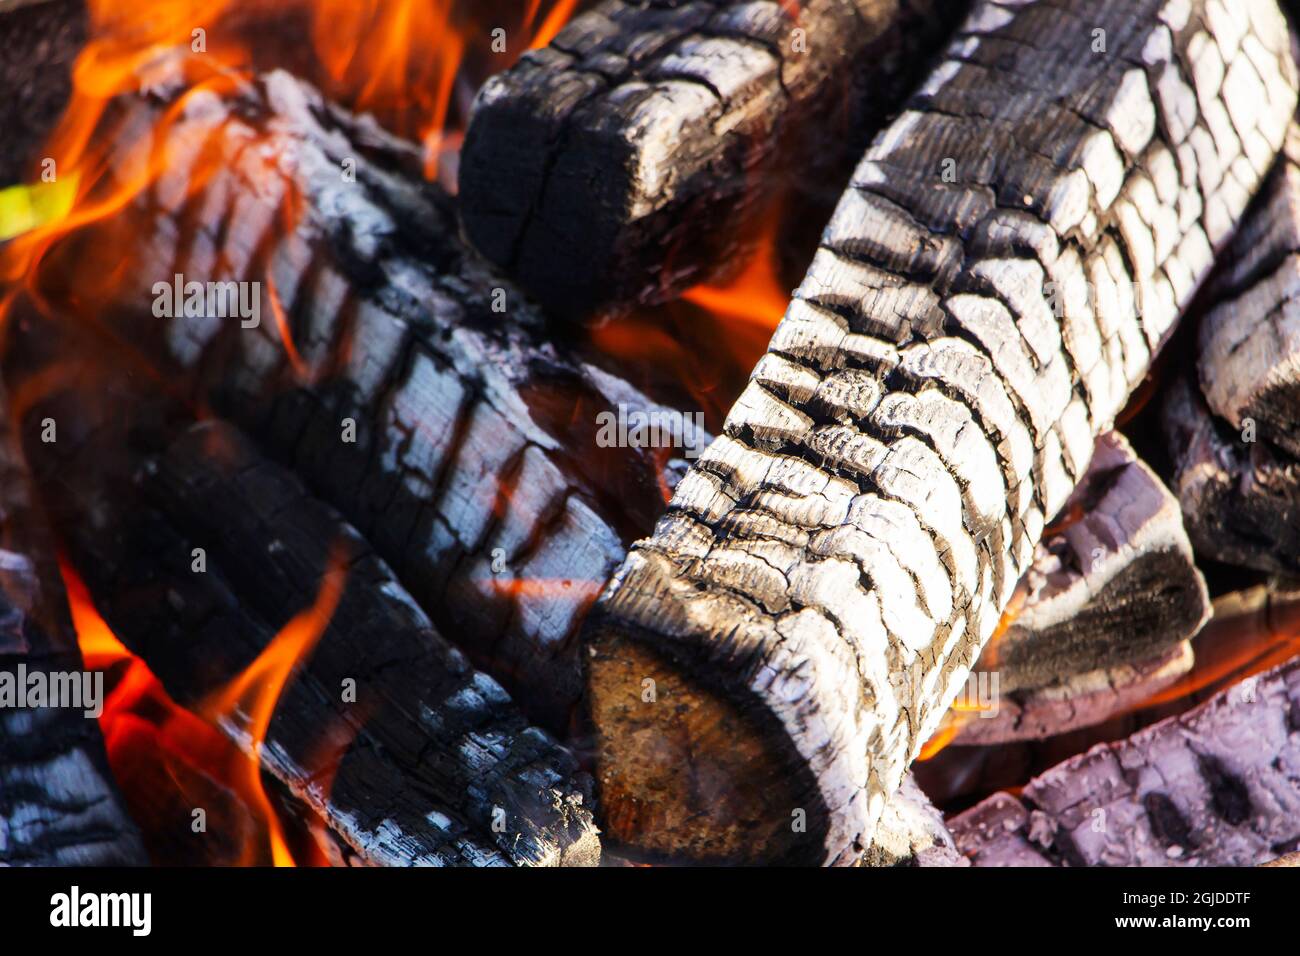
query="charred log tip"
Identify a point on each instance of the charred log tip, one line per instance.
(685, 773)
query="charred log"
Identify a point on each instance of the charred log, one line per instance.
(410, 386)
(1213, 787)
(625, 161)
(1113, 581)
(38, 42)
(1068, 703)
(829, 570)
(1240, 500)
(59, 804)
(386, 732)
(1233, 440)
(1248, 362)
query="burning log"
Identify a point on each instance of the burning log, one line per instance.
(410, 386)
(58, 802)
(1068, 703)
(1234, 440)
(197, 559)
(628, 159)
(766, 665)
(1113, 581)
(1100, 620)
(1212, 787)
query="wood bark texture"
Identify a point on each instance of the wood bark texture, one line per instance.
(1212, 787)
(829, 569)
(626, 160)
(477, 467)
(59, 805)
(1248, 361)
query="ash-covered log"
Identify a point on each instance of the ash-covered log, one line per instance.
(1113, 581)
(1232, 433)
(630, 158)
(1101, 619)
(59, 805)
(500, 472)
(912, 833)
(205, 555)
(830, 568)
(1212, 787)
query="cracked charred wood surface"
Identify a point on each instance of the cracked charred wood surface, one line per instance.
(411, 755)
(1240, 500)
(629, 158)
(1069, 703)
(1233, 435)
(830, 568)
(59, 805)
(1112, 582)
(1212, 787)
(461, 440)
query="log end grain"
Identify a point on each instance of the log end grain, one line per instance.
(685, 775)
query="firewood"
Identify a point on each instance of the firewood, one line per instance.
(629, 158)
(765, 666)
(1232, 434)
(1240, 500)
(1100, 620)
(59, 804)
(411, 755)
(468, 444)
(1212, 787)
(1248, 359)
(912, 833)
(1068, 703)
(1286, 860)
(1113, 582)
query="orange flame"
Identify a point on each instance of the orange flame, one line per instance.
(393, 57)
(193, 737)
(254, 693)
(551, 26)
(756, 297)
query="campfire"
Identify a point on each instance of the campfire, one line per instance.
(632, 432)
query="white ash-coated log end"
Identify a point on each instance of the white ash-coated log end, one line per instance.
(1012, 252)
